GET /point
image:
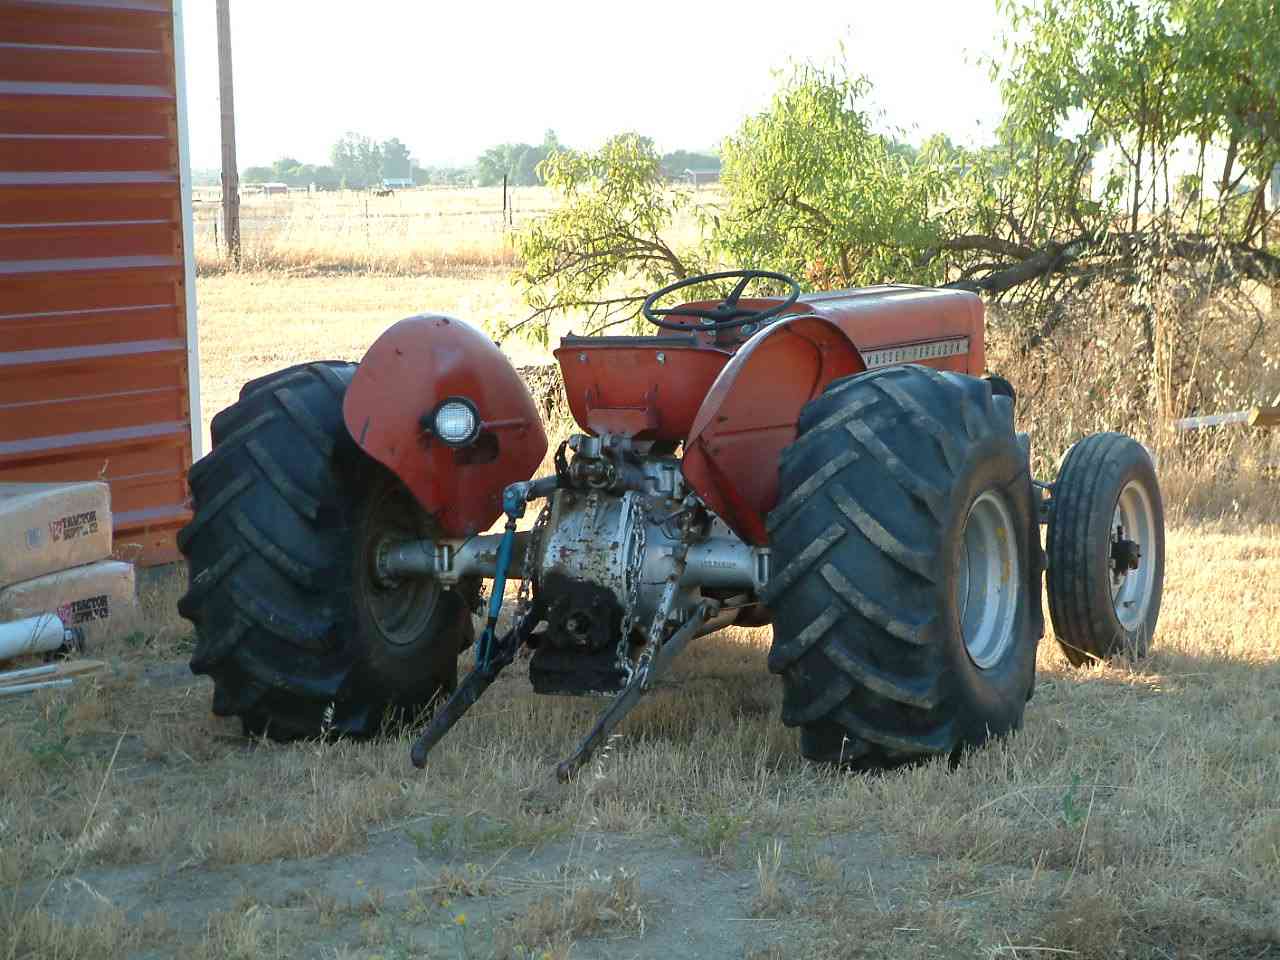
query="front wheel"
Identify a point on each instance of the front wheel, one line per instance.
(298, 634)
(1106, 550)
(907, 562)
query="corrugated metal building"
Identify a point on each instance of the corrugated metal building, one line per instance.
(98, 374)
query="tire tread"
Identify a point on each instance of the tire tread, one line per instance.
(259, 547)
(1083, 631)
(864, 493)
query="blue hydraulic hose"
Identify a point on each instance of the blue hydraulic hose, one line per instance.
(485, 641)
(514, 498)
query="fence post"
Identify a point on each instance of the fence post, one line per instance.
(226, 100)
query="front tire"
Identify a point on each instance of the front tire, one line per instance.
(1106, 550)
(906, 558)
(297, 634)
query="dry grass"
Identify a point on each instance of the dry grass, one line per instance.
(1136, 811)
(587, 907)
(254, 323)
(412, 232)
(771, 898)
(1136, 815)
(422, 232)
(1092, 376)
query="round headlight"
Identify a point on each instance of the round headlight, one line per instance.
(456, 421)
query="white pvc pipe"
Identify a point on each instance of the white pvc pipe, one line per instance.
(40, 634)
(13, 688)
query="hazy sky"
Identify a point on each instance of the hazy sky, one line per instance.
(452, 78)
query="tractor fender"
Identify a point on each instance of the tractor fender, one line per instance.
(750, 414)
(408, 371)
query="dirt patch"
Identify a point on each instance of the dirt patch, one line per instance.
(395, 898)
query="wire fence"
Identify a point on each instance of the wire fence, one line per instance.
(441, 218)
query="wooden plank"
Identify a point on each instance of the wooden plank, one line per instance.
(1257, 417)
(1264, 417)
(1211, 420)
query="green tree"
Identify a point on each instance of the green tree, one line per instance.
(812, 190)
(286, 170)
(516, 162)
(441, 176)
(498, 162)
(396, 162)
(357, 160)
(1142, 81)
(606, 246)
(1038, 218)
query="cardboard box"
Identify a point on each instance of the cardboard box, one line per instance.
(98, 598)
(46, 527)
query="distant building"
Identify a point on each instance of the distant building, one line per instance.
(697, 177)
(396, 183)
(270, 189)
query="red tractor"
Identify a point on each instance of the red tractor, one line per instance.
(831, 463)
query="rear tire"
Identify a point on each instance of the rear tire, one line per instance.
(1098, 611)
(296, 633)
(906, 559)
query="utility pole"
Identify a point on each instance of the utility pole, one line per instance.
(230, 172)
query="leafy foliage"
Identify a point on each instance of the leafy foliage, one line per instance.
(396, 162)
(441, 176)
(1133, 87)
(357, 159)
(604, 249)
(1086, 183)
(295, 174)
(517, 162)
(813, 191)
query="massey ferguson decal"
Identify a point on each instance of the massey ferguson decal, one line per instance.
(86, 610)
(74, 525)
(916, 352)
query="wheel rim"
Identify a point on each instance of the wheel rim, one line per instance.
(400, 608)
(1133, 522)
(987, 588)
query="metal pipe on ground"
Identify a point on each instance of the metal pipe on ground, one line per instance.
(16, 688)
(42, 634)
(29, 675)
(50, 675)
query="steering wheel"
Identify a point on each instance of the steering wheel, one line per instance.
(726, 314)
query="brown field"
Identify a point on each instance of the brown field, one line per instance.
(1137, 814)
(412, 232)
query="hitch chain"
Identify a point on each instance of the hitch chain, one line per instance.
(524, 591)
(662, 615)
(493, 654)
(653, 658)
(634, 571)
(639, 684)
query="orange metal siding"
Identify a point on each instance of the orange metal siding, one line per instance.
(93, 279)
